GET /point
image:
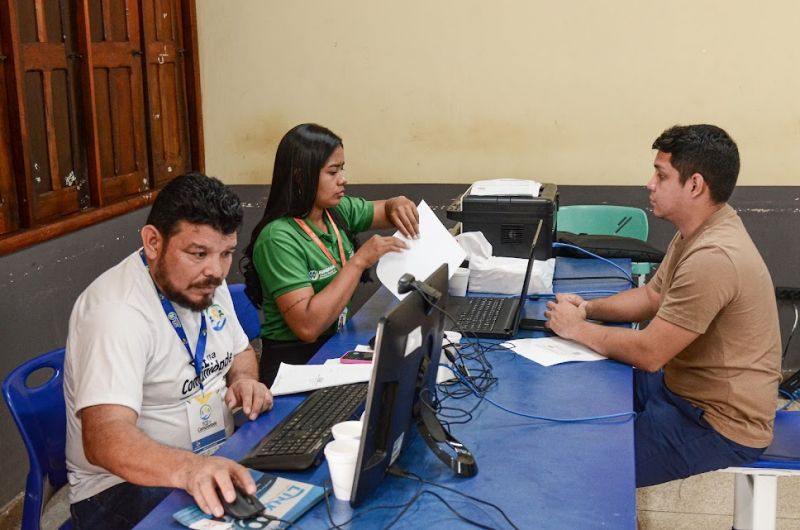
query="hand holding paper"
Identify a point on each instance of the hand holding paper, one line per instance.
(434, 246)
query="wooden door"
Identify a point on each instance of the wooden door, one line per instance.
(111, 41)
(9, 220)
(53, 172)
(165, 83)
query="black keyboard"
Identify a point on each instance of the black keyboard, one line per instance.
(296, 443)
(481, 314)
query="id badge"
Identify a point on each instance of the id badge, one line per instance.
(206, 413)
(342, 319)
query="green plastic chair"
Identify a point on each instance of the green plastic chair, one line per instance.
(607, 219)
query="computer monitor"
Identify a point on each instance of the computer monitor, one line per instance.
(408, 345)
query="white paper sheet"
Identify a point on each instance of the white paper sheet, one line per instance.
(435, 246)
(530, 188)
(293, 378)
(548, 351)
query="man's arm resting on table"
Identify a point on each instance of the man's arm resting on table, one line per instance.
(634, 305)
(244, 389)
(648, 349)
(112, 440)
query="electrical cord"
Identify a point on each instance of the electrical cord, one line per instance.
(289, 524)
(480, 390)
(601, 258)
(630, 414)
(406, 506)
(398, 472)
(791, 333)
(792, 397)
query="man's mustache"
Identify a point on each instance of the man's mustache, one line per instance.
(211, 282)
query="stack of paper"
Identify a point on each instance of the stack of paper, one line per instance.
(529, 188)
(294, 378)
(548, 351)
(424, 255)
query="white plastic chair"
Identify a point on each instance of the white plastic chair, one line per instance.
(755, 494)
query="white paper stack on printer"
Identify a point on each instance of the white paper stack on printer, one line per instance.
(529, 188)
(502, 275)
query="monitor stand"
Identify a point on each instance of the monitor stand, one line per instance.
(430, 428)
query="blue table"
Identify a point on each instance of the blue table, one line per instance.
(542, 474)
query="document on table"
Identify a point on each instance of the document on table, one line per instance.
(424, 255)
(294, 378)
(548, 351)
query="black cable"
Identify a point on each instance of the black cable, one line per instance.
(456, 512)
(791, 333)
(287, 522)
(398, 472)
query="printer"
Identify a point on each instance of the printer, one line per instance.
(509, 221)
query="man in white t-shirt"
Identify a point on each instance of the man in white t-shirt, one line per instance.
(156, 360)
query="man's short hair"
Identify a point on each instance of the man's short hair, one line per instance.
(704, 149)
(196, 199)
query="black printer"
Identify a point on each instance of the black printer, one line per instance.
(509, 221)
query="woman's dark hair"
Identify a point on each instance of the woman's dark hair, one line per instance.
(301, 155)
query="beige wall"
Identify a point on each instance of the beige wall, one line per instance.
(452, 91)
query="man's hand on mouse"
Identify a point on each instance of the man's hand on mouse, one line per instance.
(212, 472)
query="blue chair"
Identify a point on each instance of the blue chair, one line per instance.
(756, 485)
(249, 316)
(40, 415)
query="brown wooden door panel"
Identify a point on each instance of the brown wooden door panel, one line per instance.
(52, 163)
(122, 185)
(168, 123)
(116, 99)
(9, 218)
(96, 97)
(54, 204)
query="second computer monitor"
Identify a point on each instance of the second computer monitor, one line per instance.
(408, 341)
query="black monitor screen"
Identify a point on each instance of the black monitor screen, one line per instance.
(407, 342)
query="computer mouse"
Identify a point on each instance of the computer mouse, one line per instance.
(245, 506)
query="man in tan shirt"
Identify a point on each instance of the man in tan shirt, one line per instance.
(713, 321)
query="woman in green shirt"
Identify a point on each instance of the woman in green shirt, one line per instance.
(303, 262)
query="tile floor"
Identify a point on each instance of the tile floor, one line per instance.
(706, 502)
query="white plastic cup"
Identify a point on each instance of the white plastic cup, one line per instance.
(459, 282)
(341, 456)
(347, 430)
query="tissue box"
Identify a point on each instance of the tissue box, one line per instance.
(505, 275)
(509, 222)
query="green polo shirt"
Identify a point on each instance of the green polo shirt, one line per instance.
(287, 259)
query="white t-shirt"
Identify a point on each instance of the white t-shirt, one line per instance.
(122, 350)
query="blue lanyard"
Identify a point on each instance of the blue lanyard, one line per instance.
(195, 359)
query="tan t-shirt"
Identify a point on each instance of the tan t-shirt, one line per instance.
(716, 284)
